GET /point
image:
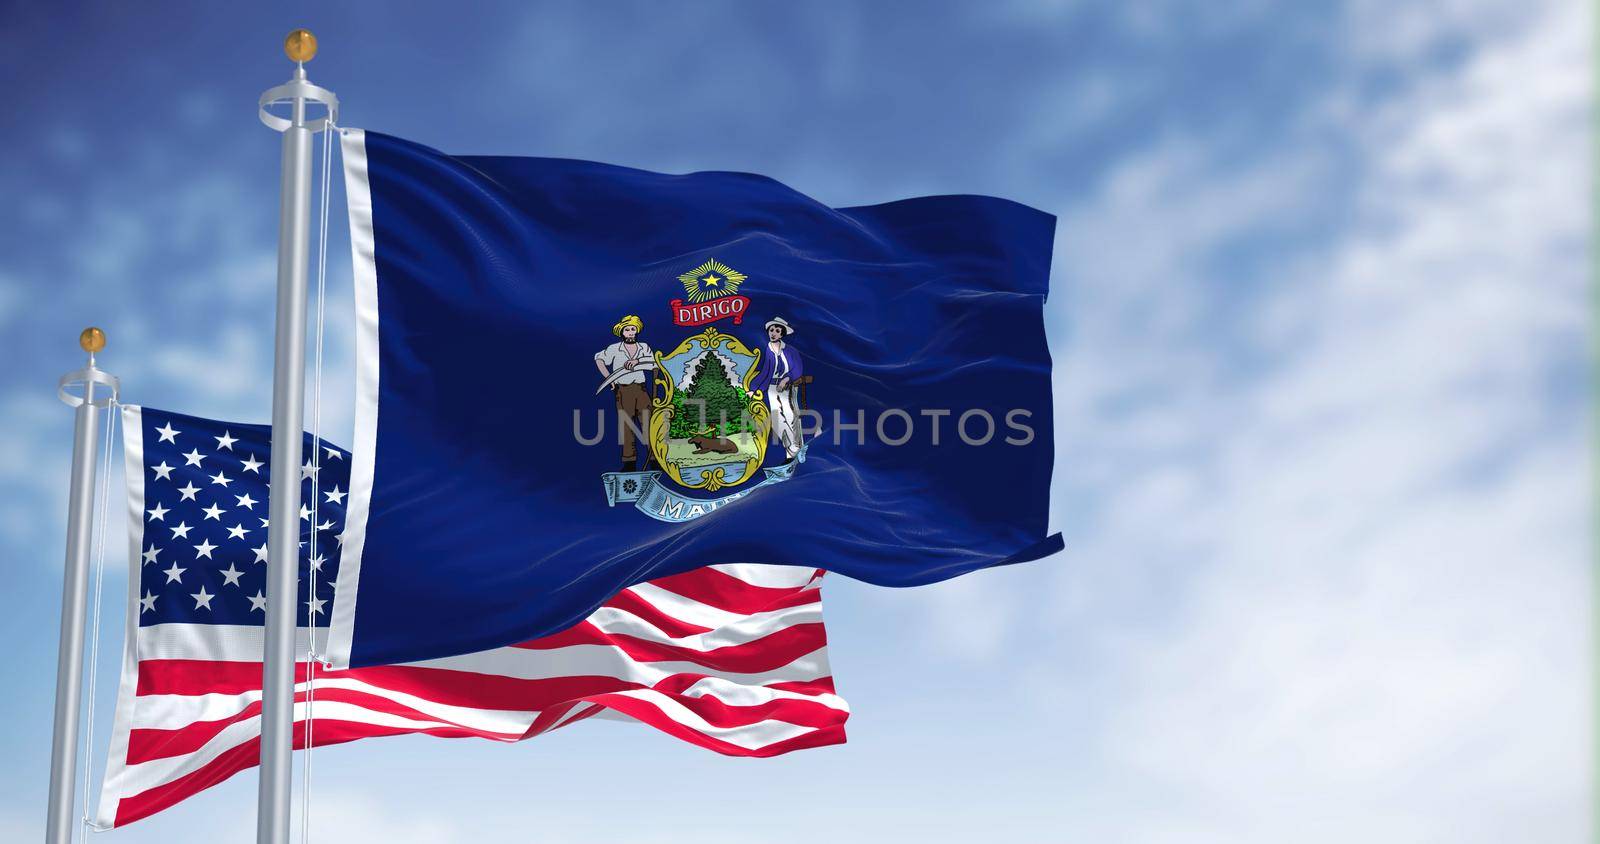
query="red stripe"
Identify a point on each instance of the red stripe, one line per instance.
(457, 688)
(147, 744)
(630, 601)
(203, 676)
(724, 591)
(801, 713)
(819, 686)
(771, 651)
(549, 717)
(650, 714)
(591, 710)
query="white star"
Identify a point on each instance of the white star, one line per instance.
(188, 491)
(327, 525)
(317, 561)
(231, 575)
(253, 465)
(340, 539)
(259, 602)
(213, 512)
(263, 521)
(316, 605)
(159, 514)
(147, 603)
(305, 513)
(237, 532)
(202, 599)
(225, 441)
(222, 479)
(204, 549)
(246, 501)
(193, 457)
(174, 574)
(333, 453)
(261, 553)
(150, 555)
(181, 531)
(336, 497)
(308, 470)
(163, 471)
(168, 435)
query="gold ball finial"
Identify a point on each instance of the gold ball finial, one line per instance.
(92, 340)
(300, 46)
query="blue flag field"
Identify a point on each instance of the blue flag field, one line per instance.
(574, 377)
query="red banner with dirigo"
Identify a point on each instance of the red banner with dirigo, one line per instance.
(711, 310)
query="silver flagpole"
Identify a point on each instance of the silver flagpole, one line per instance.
(288, 399)
(75, 581)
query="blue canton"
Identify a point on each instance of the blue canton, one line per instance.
(204, 553)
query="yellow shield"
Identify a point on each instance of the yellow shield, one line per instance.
(708, 429)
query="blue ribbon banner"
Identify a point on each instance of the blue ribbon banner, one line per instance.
(656, 500)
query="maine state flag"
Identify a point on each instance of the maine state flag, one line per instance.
(575, 377)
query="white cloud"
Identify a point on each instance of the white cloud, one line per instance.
(1356, 500)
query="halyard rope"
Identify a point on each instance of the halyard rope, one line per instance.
(312, 654)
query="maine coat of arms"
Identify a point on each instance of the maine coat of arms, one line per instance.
(708, 410)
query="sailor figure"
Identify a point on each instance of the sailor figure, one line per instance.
(623, 364)
(780, 370)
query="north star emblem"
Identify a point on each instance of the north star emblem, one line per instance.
(713, 293)
(710, 280)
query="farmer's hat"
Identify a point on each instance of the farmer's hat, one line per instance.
(630, 319)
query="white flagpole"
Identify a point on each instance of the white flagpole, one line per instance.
(75, 582)
(288, 400)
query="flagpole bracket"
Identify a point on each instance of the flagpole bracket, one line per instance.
(73, 386)
(298, 91)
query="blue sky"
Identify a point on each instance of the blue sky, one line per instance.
(1321, 333)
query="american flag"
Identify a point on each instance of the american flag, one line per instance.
(731, 658)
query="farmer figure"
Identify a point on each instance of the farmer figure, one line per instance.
(780, 369)
(623, 364)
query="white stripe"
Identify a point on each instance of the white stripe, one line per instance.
(743, 631)
(683, 609)
(167, 712)
(734, 694)
(576, 712)
(239, 643)
(768, 576)
(748, 736)
(609, 661)
(363, 252)
(691, 611)
(209, 642)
